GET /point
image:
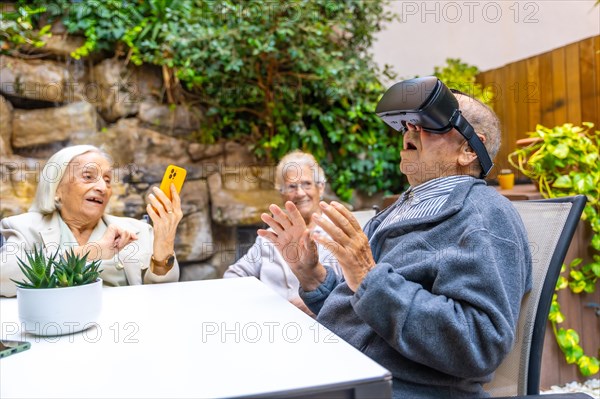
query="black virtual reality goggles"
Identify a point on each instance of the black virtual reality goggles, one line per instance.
(428, 103)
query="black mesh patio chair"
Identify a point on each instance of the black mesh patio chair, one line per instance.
(550, 225)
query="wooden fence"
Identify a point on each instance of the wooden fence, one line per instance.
(553, 88)
(560, 86)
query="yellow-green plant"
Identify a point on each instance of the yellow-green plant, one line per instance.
(16, 29)
(564, 161)
(462, 76)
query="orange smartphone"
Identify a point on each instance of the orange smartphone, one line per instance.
(176, 175)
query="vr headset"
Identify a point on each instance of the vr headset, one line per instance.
(428, 103)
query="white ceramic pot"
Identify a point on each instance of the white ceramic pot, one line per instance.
(59, 311)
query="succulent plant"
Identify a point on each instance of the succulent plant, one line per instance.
(74, 270)
(48, 272)
(37, 269)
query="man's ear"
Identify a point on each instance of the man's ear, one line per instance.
(467, 155)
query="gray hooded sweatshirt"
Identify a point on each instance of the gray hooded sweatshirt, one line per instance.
(440, 308)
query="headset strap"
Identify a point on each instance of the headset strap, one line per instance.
(464, 127)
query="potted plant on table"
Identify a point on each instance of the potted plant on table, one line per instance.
(565, 161)
(60, 294)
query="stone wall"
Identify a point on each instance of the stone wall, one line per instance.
(51, 101)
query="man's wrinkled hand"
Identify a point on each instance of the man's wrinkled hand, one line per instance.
(292, 239)
(348, 242)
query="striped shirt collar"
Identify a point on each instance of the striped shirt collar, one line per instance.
(421, 201)
(433, 188)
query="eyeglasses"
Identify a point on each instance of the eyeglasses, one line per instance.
(293, 187)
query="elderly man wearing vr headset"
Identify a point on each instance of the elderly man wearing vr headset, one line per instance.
(432, 288)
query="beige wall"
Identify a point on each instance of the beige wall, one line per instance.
(488, 34)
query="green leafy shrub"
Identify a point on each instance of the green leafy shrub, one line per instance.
(16, 28)
(564, 161)
(101, 22)
(279, 75)
(459, 75)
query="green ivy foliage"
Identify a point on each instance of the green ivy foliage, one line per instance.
(16, 28)
(101, 22)
(280, 75)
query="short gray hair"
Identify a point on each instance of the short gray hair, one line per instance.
(483, 119)
(52, 174)
(295, 161)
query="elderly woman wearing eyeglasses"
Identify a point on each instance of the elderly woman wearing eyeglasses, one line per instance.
(68, 212)
(300, 180)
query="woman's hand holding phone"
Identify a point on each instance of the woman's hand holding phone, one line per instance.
(165, 211)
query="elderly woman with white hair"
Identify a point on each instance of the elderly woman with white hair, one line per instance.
(301, 180)
(69, 212)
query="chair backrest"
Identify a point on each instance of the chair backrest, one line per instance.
(364, 216)
(550, 226)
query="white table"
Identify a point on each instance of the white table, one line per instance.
(200, 339)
